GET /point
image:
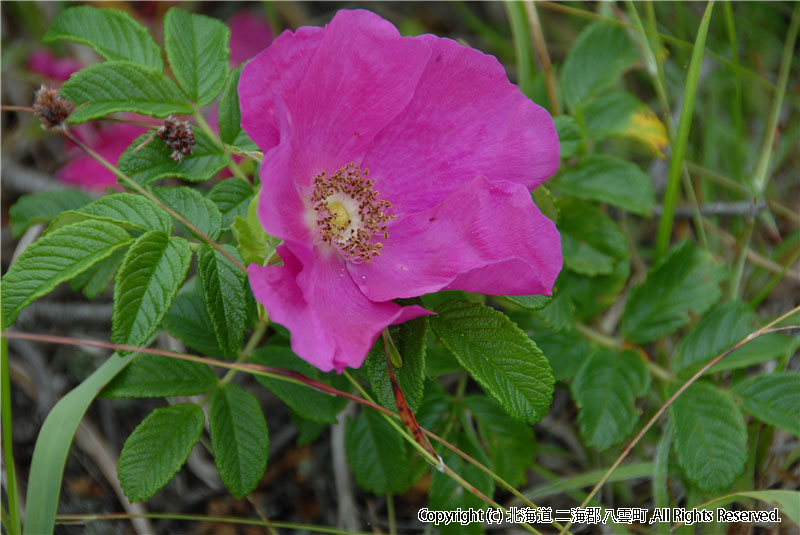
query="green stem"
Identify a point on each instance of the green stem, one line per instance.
(521, 36)
(139, 189)
(736, 280)
(760, 178)
(679, 146)
(738, 120)
(390, 512)
(204, 126)
(245, 353)
(659, 81)
(15, 523)
(773, 281)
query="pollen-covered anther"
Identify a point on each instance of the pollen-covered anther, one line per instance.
(349, 213)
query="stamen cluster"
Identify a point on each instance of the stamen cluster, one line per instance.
(353, 236)
(51, 107)
(178, 136)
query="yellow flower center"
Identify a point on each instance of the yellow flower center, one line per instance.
(349, 214)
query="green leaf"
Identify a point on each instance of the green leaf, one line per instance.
(718, 330)
(56, 258)
(589, 296)
(590, 241)
(565, 350)
(409, 338)
(125, 209)
(189, 322)
(511, 444)
(559, 313)
(112, 86)
(710, 439)
(377, 454)
(305, 401)
(41, 207)
(152, 161)
(146, 283)
(601, 53)
(685, 282)
(255, 245)
(224, 290)
(609, 179)
(53, 445)
(569, 135)
(229, 114)
(621, 114)
(761, 349)
(157, 449)
(773, 398)
(232, 196)
(197, 50)
(94, 281)
(498, 355)
(112, 33)
(239, 437)
(191, 204)
(445, 494)
(530, 302)
(154, 376)
(787, 501)
(605, 391)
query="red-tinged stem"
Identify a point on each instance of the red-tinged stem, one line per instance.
(130, 182)
(269, 371)
(752, 336)
(246, 367)
(27, 109)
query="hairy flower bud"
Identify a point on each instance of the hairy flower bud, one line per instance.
(178, 136)
(50, 107)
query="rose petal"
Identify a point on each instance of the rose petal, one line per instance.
(360, 77)
(333, 324)
(466, 119)
(486, 237)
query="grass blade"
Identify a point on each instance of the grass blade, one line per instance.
(679, 146)
(53, 443)
(14, 525)
(521, 34)
(760, 177)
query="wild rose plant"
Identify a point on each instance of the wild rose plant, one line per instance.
(348, 213)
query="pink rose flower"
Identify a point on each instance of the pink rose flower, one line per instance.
(393, 167)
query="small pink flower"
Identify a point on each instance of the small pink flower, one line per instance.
(393, 167)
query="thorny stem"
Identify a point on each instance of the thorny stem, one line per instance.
(752, 336)
(130, 182)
